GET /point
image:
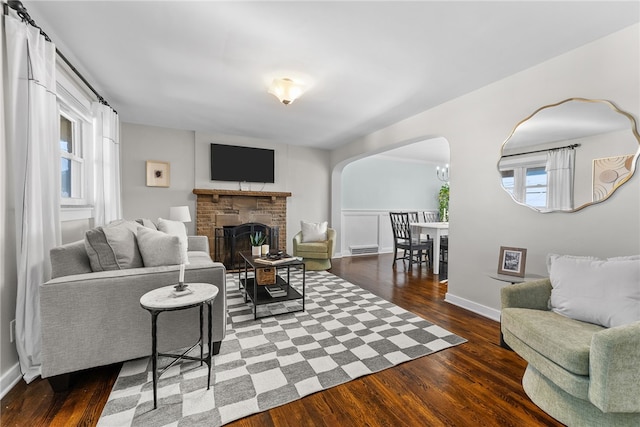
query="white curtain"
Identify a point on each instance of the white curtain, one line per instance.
(31, 135)
(107, 165)
(520, 187)
(560, 167)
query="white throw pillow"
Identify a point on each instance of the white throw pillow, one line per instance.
(313, 231)
(158, 248)
(176, 228)
(604, 292)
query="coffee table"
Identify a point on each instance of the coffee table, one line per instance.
(257, 293)
(165, 299)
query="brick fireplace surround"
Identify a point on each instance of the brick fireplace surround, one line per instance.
(219, 208)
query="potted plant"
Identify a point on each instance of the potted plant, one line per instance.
(257, 239)
(443, 203)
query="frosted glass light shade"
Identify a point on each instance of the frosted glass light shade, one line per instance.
(286, 90)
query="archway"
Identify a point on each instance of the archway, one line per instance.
(366, 187)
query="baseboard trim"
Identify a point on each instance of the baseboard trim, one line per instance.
(480, 309)
(10, 379)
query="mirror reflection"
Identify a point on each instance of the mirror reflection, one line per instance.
(569, 155)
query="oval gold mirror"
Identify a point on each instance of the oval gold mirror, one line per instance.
(569, 155)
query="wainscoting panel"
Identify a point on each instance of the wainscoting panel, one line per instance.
(366, 232)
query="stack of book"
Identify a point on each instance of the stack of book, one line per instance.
(274, 261)
(276, 291)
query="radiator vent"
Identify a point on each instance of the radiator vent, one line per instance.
(364, 250)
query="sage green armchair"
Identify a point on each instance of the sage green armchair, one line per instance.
(579, 373)
(315, 255)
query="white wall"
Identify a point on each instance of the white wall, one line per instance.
(141, 143)
(302, 171)
(483, 216)
(9, 367)
(380, 182)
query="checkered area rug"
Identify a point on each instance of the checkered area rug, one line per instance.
(345, 332)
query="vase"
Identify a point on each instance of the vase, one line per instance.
(255, 250)
(265, 249)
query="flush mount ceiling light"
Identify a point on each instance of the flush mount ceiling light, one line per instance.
(286, 90)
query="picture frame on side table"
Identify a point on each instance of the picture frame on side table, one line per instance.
(158, 173)
(512, 261)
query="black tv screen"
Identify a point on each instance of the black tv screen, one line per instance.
(241, 164)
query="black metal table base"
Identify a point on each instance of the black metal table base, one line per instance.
(177, 357)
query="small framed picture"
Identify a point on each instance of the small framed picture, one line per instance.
(512, 261)
(158, 174)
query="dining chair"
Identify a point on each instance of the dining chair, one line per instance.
(404, 238)
(444, 258)
(430, 216)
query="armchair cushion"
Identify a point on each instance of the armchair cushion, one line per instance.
(560, 339)
(603, 292)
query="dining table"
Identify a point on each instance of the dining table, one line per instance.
(435, 230)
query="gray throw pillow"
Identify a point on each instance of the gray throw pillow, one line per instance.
(147, 223)
(112, 247)
(158, 248)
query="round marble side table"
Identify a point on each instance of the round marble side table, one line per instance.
(167, 299)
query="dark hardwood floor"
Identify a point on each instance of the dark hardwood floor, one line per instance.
(473, 384)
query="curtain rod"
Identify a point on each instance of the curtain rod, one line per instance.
(572, 146)
(24, 15)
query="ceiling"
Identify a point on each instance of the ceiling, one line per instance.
(205, 66)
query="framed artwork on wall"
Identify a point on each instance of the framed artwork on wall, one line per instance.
(158, 173)
(609, 173)
(512, 261)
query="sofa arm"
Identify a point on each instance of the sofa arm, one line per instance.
(331, 236)
(198, 243)
(614, 369)
(297, 239)
(534, 295)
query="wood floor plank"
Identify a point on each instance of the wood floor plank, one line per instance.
(473, 384)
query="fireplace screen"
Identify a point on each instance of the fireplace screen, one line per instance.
(233, 239)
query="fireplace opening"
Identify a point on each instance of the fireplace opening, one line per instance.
(229, 240)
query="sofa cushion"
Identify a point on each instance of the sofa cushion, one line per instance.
(313, 231)
(113, 247)
(603, 292)
(69, 259)
(159, 248)
(176, 228)
(560, 339)
(198, 259)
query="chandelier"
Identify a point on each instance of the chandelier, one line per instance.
(443, 173)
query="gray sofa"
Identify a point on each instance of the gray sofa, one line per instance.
(580, 373)
(94, 318)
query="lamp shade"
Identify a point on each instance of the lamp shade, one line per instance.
(179, 213)
(286, 90)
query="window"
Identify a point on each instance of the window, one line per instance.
(508, 180)
(527, 182)
(536, 187)
(71, 161)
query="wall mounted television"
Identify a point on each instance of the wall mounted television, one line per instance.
(242, 164)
